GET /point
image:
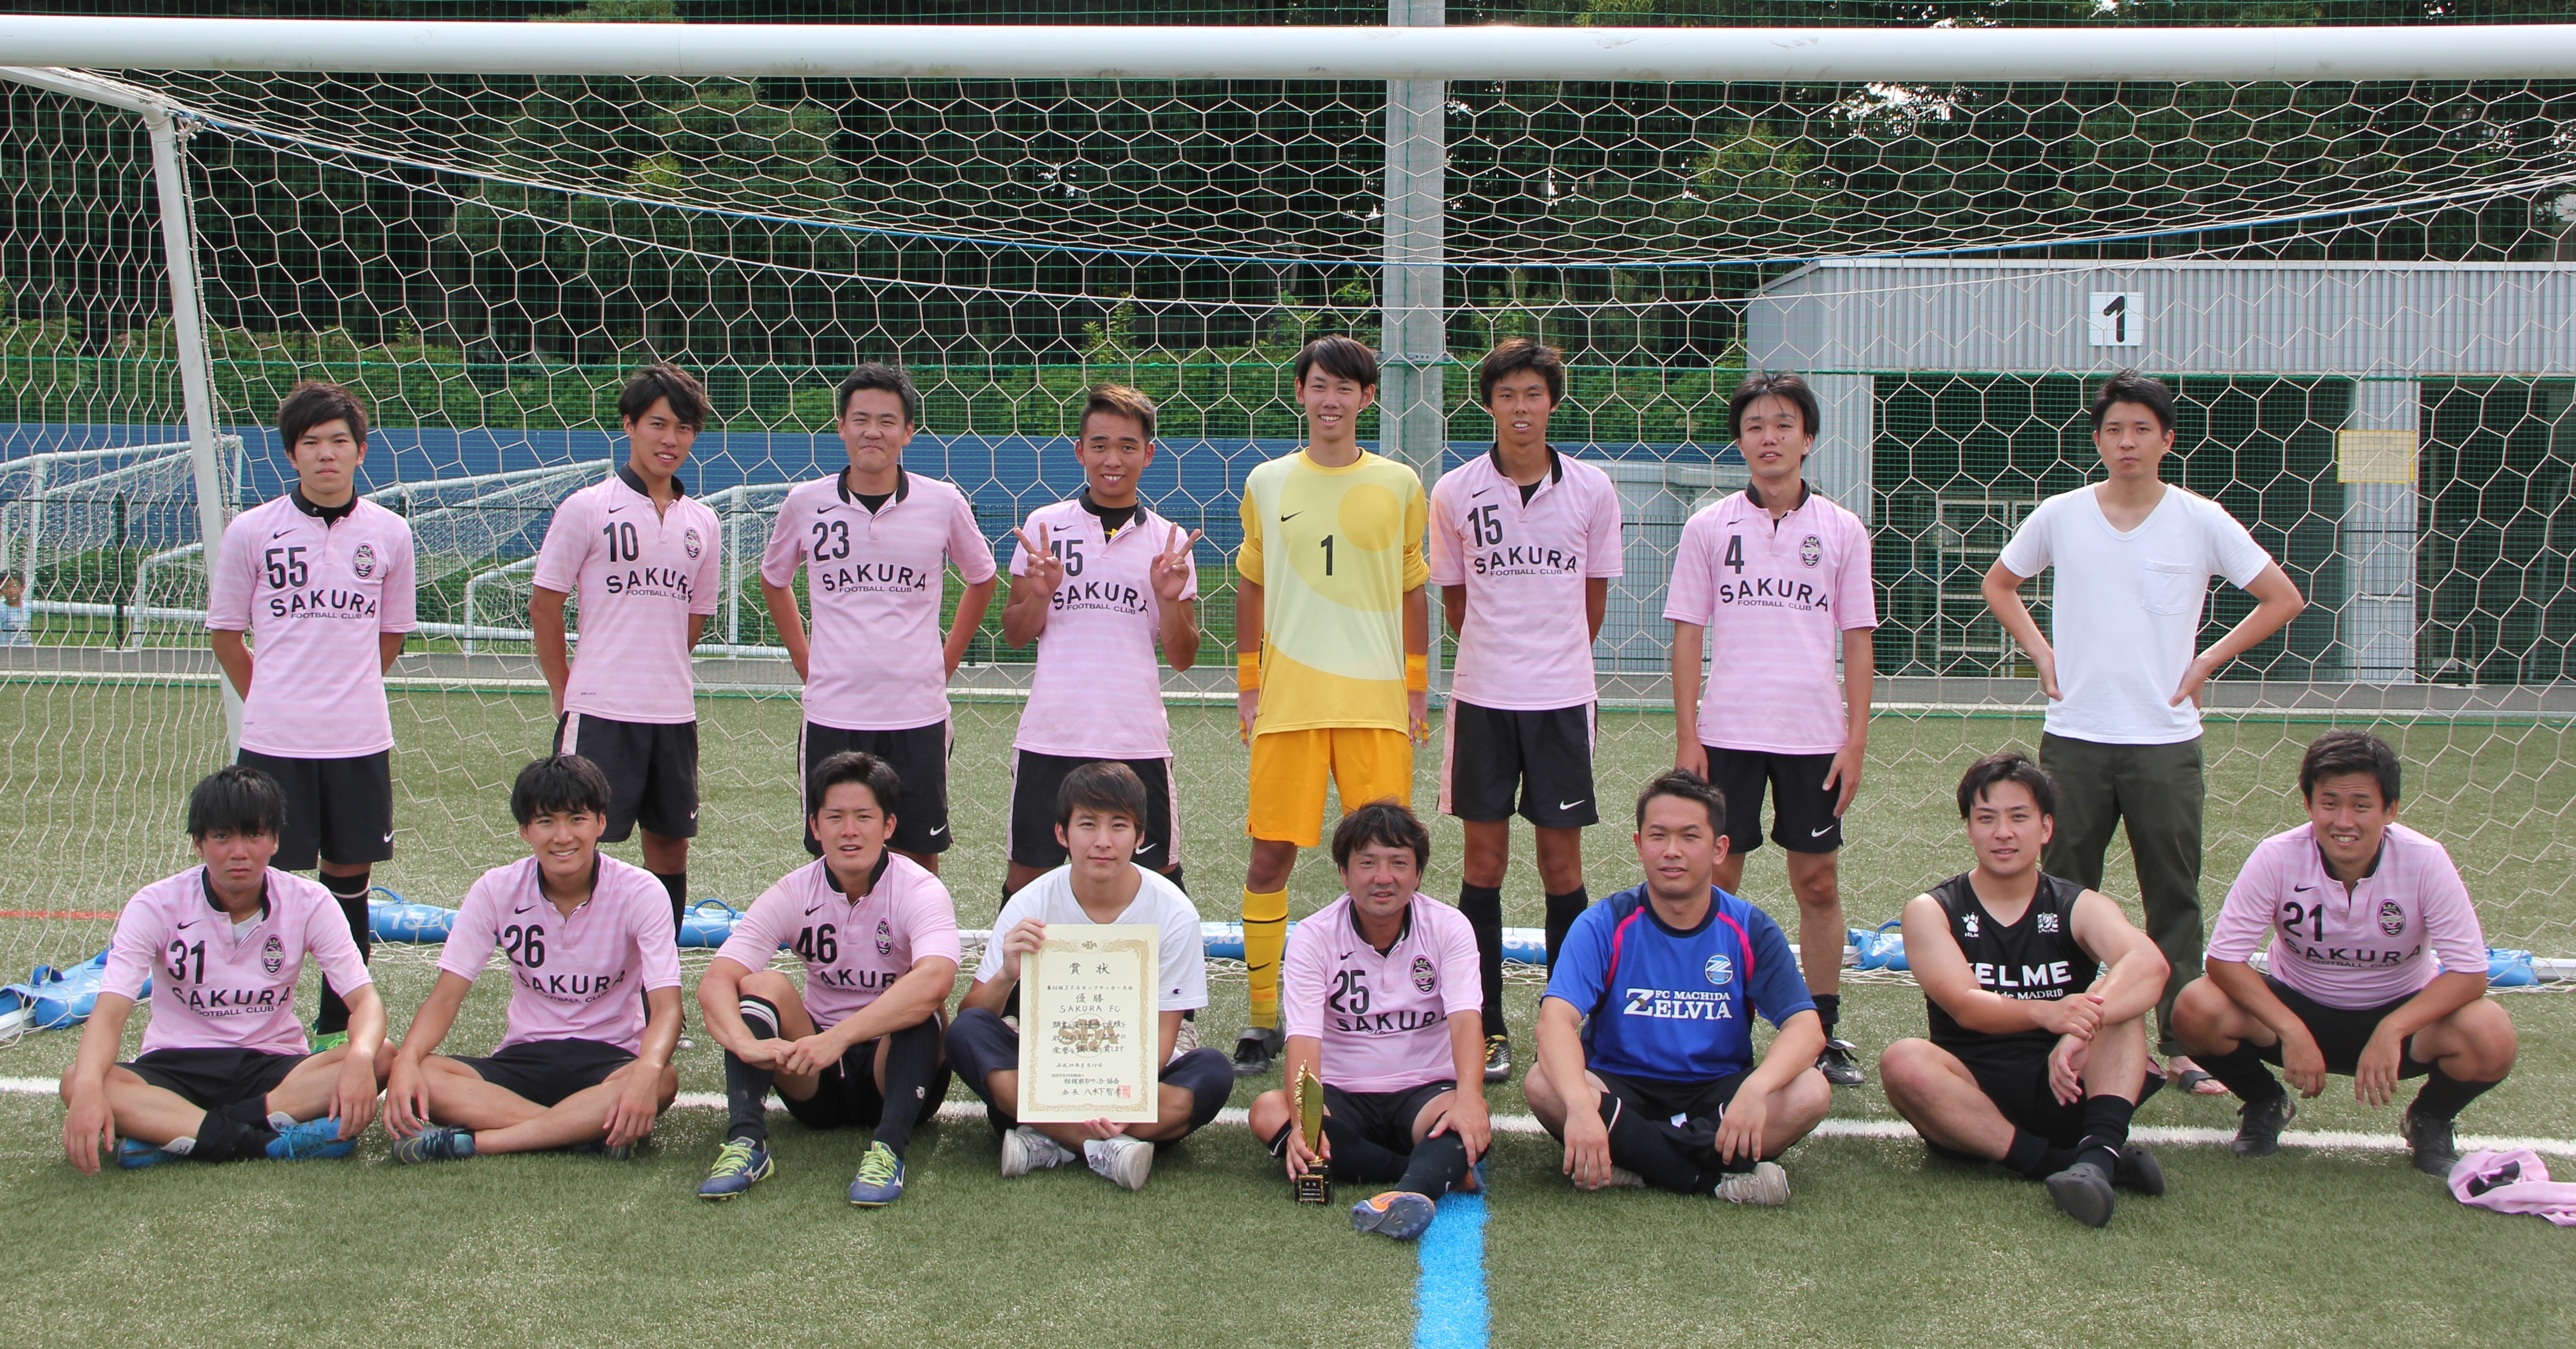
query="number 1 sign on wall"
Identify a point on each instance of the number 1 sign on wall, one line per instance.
(2116, 318)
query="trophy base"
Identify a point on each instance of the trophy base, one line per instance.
(1311, 1189)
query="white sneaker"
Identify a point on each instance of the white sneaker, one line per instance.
(1025, 1149)
(1623, 1178)
(1766, 1185)
(1125, 1161)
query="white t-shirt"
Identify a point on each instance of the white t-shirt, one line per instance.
(1049, 899)
(2126, 618)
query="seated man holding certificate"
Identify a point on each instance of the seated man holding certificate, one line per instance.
(1384, 1008)
(1100, 816)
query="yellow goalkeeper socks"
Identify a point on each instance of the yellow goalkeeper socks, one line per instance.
(1265, 939)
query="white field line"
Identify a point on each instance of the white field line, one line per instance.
(954, 1111)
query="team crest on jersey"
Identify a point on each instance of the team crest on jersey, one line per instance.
(272, 956)
(689, 542)
(1719, 969)
(885, 938)
(1811, 550)
(363, 561)
(2392, 919)
(1969, 921)
(1423, 978)
(2047, 922)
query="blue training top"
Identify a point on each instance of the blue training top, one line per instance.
(1668, 1004)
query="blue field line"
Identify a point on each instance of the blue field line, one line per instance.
(1449, 1310)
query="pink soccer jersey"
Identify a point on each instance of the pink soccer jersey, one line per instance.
(1526, 643)
(1383, 1019)
(635, 576)
(2378, 942)
(576, 978)
(1776, 598)
(314, 598)
(1097, 692)
(214, 987)
(853, 949)
(873, 580)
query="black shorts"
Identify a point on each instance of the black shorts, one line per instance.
(652, 771)
(846, 1094)
(1802, 809)
(2341, 1033)
(544, 1072)
(918, 756)
(2014, 1075)
(1674, 1102)
(214, 1078)
(1494, 761)
(1384, 1118)
(1035, 779)
(337, 810)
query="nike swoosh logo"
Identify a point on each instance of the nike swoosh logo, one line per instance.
(938, 831)
(188, 924)
(2303, 889)
(1820, 833)
(1265, 965)
(1147, 847)
(1290, 516)
(523, 908)
(1473, 495)
(279, 535)
(824, 509)
(813, 910)
(1569, 805)
(615, 509)
(389, 836)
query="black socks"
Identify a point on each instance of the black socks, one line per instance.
(1437, 1165)
(677, 883)
(2243, 1071)
(1562, 910)
(1483, 906)
(2443, 1095)
(2106, 1131)
(1829, 1010)
(332, 1017)
(912, 1061)
(2031, 1158)
(746, 1087)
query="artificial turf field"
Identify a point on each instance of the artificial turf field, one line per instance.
(1880, 1245)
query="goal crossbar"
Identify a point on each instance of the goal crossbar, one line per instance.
(1484, 52)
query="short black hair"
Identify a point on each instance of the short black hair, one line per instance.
(555, 784)
(1683, 784)
(859, 766)
(1117, 400)
(2339, 752)
(1773, 384)
(1517, 354)
(884, 378)
(236, 799)
(2007, 765)
(662, 380)
(1383, 822)
(1107, 787)
(1341, 358)
(312, 403)
(2129, 386)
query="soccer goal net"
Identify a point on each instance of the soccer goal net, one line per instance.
(2354, 286)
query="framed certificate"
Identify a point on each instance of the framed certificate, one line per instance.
(1088, 1029)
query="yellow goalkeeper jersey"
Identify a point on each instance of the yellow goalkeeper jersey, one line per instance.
(1333, 550)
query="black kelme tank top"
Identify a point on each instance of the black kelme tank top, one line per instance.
(2036, 957)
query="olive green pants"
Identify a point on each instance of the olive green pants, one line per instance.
(2156, 791)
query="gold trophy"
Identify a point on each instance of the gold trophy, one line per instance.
(1316, 1186)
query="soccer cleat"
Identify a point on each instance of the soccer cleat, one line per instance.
(880, 1179)
(320, 1040)
(1025, 1149)
(437, 1143)
(2260, 1133)
(1840, 1063)
(134, 1154)
(1256, 1048)
(2139, 1171)
(1126, 1162)
(1400, 1214)
(740, 1164)
(1766, 1186)
(2083, 1193)
(2436, 1152)
(1498, 1058)
(310, 1139)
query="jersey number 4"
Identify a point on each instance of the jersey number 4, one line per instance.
(1735, 553)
